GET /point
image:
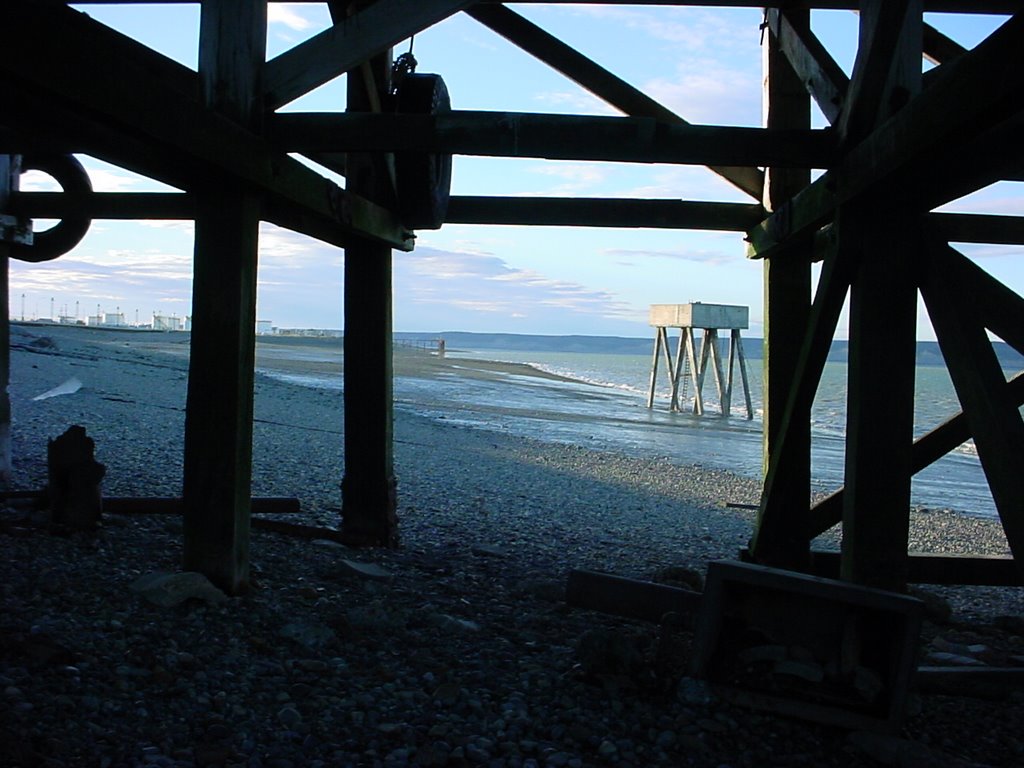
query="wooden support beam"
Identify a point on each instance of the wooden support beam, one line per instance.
(945, 6)
(888, 55)
(787, 310)
(138, 109)
(351, 41)
(105, 205)
(780, 535)
(219, 405)
(977, 228)
(995, 420)
(883, 315)
(981, 89)
(938, 48)
(10, 172)
(600, 212)
(596, 79)
(630, 598)
(811, 62)
(518, 134)
(926, 568)
(368, 488)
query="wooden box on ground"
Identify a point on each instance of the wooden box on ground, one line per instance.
(699, 315)
(807, 647)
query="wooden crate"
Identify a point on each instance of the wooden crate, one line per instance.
(808, 647)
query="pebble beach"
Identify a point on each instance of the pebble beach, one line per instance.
(456, 649)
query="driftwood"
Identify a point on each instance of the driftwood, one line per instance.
(76, 502)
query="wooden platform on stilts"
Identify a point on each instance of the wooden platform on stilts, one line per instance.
(691, 364)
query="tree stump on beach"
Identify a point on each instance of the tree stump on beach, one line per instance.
(74, 481)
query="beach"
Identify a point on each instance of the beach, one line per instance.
(456, 649)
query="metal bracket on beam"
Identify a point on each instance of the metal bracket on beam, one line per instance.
(15, 230)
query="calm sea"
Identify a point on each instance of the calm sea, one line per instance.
(604, 406)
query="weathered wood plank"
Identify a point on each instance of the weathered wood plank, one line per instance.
(981, 89)
(883, 315)
(927, 568)
(368, 488)
(778, 536)
(619, 596)
(947, 6)
(518, 134)
(349, 43)
(823, 78)
(977, 228)
(596, 79)
(995, 421)
(787, 307)
(105, 205)
(10, 172)
(217, 477)
(602, 212)
(122, 91)
(888, 57)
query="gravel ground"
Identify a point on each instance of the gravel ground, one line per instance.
(456, 649)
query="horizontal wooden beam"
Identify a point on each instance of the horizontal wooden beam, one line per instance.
(948, 6)
(630, 598)
(600, 212)
(105, 205)
(977, 228)
(981, 570)
(518, 134)
(126, 95)
(598, 80)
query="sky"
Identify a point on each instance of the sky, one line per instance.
(703, 63)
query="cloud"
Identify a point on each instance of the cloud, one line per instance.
(630, 257)
(481, 283)
(691, 30)
(576, 177)
(710, 93)
(286, 14)
(578, 102)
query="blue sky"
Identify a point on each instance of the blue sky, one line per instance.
(703, 63)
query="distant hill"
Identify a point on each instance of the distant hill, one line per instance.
(928, 352)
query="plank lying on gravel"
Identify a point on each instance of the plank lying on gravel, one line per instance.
(976, 682)
(144, 505)
(629, 598)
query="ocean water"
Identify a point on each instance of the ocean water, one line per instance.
(602, 404)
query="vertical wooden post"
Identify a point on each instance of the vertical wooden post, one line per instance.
(654, 367)
(368, 488)
(9, 170)
(787, 301)
(218, 415)
(883, 325)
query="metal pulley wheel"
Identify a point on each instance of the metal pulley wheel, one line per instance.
(423, 179)
(70, 230)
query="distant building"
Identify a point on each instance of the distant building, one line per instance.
(115, 319)
(264, 327)
(166, 323)
(94, 320)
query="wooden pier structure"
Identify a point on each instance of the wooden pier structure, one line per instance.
(900, 143)
(691, 366)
